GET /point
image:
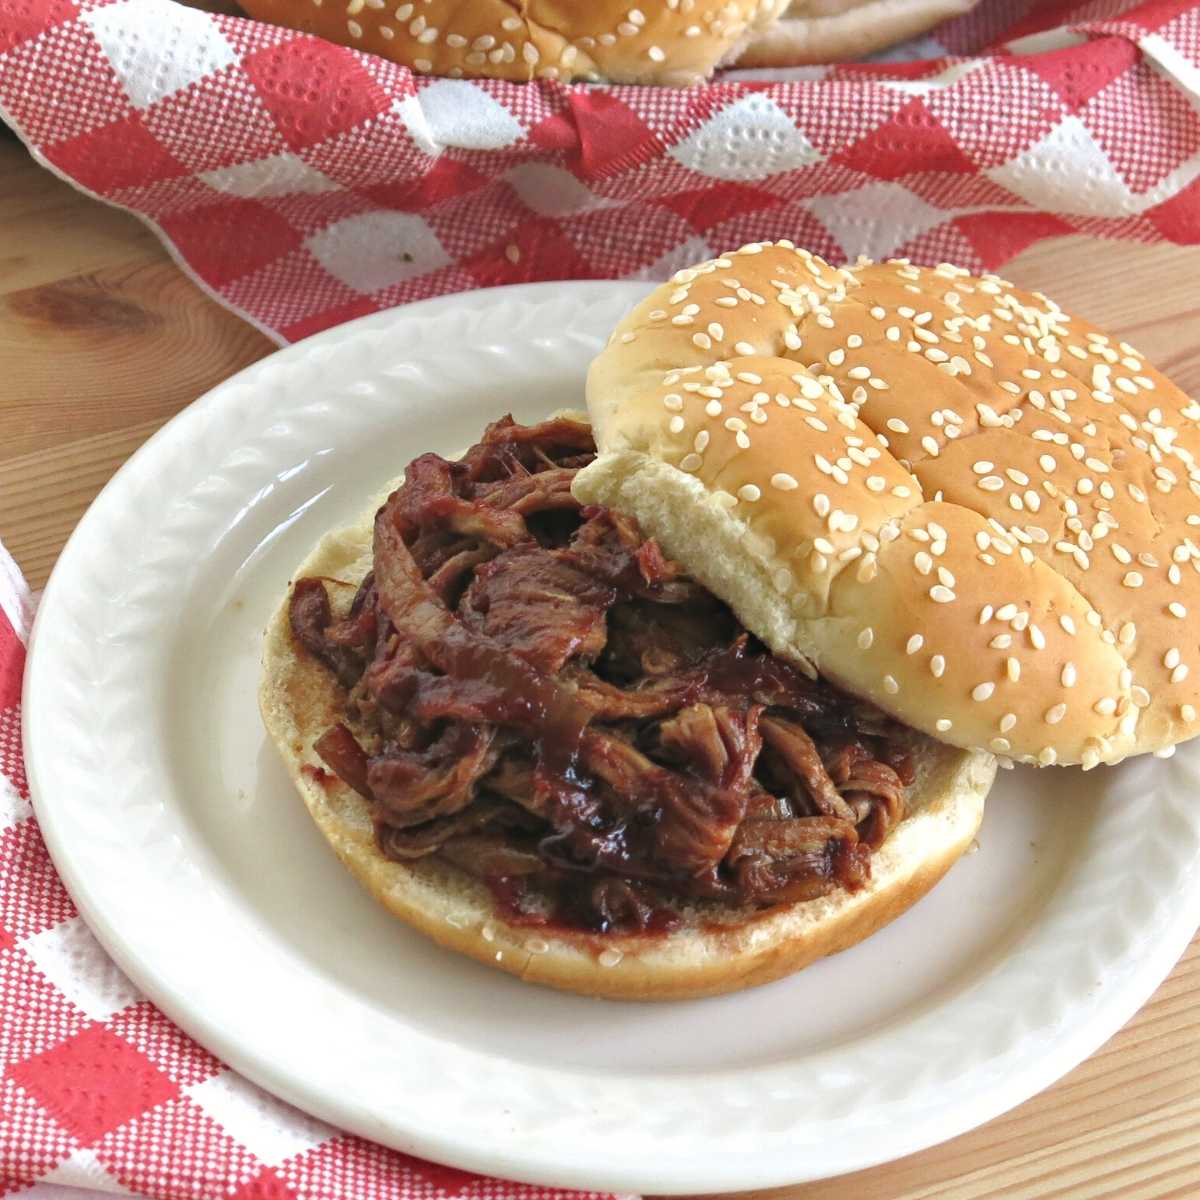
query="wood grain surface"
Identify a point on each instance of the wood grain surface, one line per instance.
(102, 339)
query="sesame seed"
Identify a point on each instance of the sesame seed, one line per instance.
(1069, 675)
(943, 725)
(1187, 712)
(1139, 696)
(676, 424)
(1180, 673)
(1000, 745)
(865, 638)
(1037, 638)
(690, 462)
(890, 685)
(609, 957)
(1013, 669)
(1055, 714)
(937, 666)
(1133, 579)
(941, 594)
(1002, 641)
(1007, 722)
(983, 691)
(784, 482)
(914, 644)
(749, 492)
(1047, 756)
(1176, 609)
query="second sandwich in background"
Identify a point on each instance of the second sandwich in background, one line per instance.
(674, 42)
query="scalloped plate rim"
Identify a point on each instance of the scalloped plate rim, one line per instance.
(684, 1172)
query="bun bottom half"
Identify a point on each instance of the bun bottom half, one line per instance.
(718, 949)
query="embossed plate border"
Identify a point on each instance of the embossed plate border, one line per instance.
(99, 773)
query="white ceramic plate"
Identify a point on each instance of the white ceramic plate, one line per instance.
(181, 839)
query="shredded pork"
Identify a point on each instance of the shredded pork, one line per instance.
(536, 694)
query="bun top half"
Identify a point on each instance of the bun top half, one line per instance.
(942, 492)
(653, 41)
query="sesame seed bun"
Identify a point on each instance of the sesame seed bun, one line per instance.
(718, 949)
(942, 492)
(655, 41)
(676, 42)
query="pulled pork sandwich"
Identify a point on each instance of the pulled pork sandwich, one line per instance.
(540, 741)
(676, 702)
(656, 41)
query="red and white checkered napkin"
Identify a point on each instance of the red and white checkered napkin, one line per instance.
(98, 1090)
(304, 183)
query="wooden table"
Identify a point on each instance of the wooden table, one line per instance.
(102, 339)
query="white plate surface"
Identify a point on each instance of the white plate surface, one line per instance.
(179, 835)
